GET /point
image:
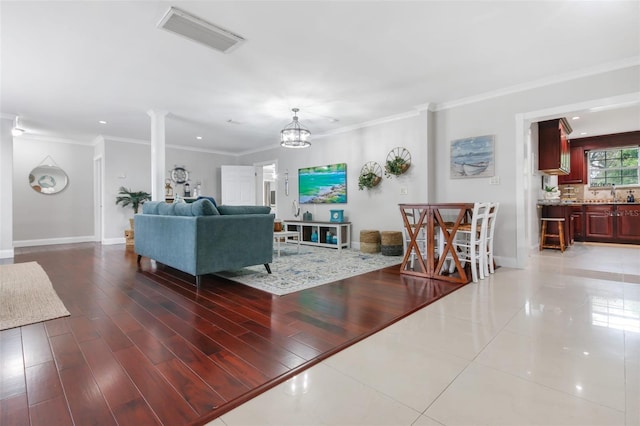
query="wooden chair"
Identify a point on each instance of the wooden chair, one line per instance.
(413, 216)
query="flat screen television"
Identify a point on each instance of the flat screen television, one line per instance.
(323, 184)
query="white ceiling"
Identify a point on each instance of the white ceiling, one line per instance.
(68, 64)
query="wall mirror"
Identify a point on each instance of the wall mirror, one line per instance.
(48, 179)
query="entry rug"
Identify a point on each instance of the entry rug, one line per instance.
(312, 267)
(27, 296)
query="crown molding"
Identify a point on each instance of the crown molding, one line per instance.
(561, 78)
(56, 139)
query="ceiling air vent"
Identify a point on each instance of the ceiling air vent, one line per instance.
(196, 29)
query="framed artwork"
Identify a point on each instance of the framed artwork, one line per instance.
(472, 157)
(323, 184)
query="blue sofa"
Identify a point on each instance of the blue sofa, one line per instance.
(199, 238)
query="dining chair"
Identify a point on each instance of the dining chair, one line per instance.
(469, 240)
(413, 216)
(487, 256)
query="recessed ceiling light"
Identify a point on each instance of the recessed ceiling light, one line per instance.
(583, 133)
(102, 122)
(575, 118)
(199, 137)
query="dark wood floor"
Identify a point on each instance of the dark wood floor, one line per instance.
(144, 347)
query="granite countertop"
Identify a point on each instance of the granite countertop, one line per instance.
(581, 202)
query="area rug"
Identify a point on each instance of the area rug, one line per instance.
(27, 296)
(313, 266)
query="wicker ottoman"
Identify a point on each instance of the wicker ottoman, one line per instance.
(392, 244)
(369, 241)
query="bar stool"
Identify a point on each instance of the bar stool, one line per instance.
(544, 234)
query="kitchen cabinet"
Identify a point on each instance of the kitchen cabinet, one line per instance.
(577, 222)
(577, 169)
(553, 146)
(599, 223)
(627, 223)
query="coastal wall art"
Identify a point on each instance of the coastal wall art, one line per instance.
(472, 157)
(323, 184)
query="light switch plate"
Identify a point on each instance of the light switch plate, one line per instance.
(495, 180)
(404, 190)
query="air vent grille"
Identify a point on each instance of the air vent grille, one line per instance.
(182, 23)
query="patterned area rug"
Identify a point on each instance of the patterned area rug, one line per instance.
(313, 266)
(27, 296)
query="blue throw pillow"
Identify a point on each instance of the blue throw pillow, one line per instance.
(210, 199)
(151, 207)
(203, 207)
(182, 209)
(166, 209)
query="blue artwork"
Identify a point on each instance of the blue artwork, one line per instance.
(472, 157)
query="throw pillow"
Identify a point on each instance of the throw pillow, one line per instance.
(151, 207)
(203, 207)
(213, 200)
(166, 209)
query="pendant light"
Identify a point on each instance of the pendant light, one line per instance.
(294, 135)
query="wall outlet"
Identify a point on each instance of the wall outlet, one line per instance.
(404, 190)
(495, 180)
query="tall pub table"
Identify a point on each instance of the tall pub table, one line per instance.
(433, 219)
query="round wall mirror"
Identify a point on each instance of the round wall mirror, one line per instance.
(48, 179)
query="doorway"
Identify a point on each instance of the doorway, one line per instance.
(267, 179)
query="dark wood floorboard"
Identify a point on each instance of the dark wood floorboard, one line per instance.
(144, 346)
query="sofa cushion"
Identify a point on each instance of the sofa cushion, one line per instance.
(166, 209)
(182, 209)
(151, 207)
(244, 209)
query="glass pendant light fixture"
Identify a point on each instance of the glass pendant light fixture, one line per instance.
(294, 135)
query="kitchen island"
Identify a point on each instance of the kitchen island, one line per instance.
(595, 221)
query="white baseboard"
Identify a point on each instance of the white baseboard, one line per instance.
(53, 241)
(112, 241)
(507, 262)
(6, 254)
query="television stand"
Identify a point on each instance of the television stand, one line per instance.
(314, 230)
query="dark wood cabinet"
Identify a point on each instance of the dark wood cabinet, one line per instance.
(604, 223)
(577, 170)
(599, 223)
(554, 147)
(627, 221)
(577, 223)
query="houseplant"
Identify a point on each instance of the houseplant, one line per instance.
(135, 199)
(370, 175)
(398, 162)
(551, 192)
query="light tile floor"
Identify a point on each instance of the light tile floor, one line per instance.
(557, 343)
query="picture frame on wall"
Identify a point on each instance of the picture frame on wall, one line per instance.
(472, 157)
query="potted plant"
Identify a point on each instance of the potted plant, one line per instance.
(551, 192)
(135, 199)
(398, 162)
(368, 180)
(370, 175)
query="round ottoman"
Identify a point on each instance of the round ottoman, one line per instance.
(369, 241)
(392, 244)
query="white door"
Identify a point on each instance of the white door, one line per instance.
(238, 185)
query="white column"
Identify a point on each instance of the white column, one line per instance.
(157, 153)
(6, 187)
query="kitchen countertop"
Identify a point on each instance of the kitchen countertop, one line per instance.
(582, 202)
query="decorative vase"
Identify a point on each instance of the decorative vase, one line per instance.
(314, 237)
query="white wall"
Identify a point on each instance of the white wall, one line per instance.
(367, 209)
(203, 167)
(497, 116)
(6, 188)
(64, 217)
(128, 164)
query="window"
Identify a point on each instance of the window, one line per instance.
(617, 166)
